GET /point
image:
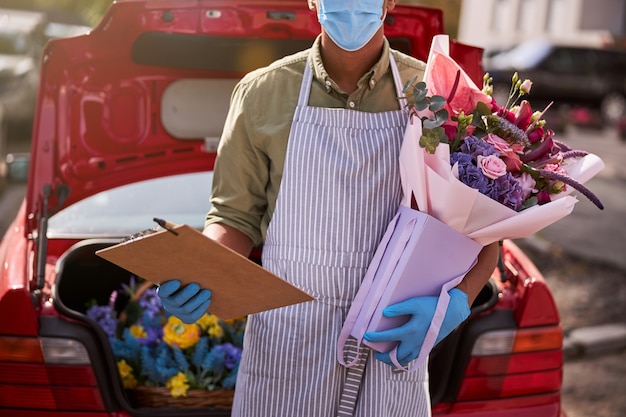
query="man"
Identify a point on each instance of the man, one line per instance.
(308, 166)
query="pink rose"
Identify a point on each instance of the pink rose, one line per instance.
(509, 155)
(491, 166)
(556, 186)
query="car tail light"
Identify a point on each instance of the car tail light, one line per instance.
(514, 363)
(43, 373)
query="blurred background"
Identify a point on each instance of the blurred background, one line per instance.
(572, 50)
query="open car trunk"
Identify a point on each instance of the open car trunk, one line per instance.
(83, 277)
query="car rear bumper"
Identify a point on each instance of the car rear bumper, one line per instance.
(548, 405)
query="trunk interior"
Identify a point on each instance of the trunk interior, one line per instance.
(83, 277)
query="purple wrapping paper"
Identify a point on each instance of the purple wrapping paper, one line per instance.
(418, 256)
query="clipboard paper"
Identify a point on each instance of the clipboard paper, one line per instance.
(239, 286)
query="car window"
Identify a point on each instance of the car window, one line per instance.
(611, 60)
(236, 55)
(571, 60)
(122, 211)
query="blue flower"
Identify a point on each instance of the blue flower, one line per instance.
(148, 364)
(231, 379)
(180, 359)
(165, 365)
(200, 351)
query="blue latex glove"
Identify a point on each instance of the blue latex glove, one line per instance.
(188, 303)
(411, 334)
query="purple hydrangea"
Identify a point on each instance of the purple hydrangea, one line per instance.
(232, 355)
(474, 146)
(105, 317)
(150, 302)
(508, 191)
(472, 176)
(505, 189)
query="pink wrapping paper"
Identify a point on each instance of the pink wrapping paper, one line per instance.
(439, 193)
(413, 258)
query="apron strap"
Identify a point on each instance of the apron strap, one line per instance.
(307, 79)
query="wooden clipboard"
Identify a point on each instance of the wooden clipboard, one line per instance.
(239, 286)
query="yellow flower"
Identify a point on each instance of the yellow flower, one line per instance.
(178, 385)
(138, 332)
(180, 334)
(216, 331)
(234, 322)
(126, 372)
(208, 320)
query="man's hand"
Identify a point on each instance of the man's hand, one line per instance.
(188, 303)
(411, 334)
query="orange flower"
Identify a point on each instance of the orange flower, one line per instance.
(180, 334)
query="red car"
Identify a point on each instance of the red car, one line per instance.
(127, 122)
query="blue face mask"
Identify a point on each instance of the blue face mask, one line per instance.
(350, 23)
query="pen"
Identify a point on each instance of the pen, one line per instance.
(166, 225)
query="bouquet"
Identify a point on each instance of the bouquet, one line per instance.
(472, 173)
(153, 349)
(505, 153)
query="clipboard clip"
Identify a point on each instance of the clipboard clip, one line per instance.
(166, 225)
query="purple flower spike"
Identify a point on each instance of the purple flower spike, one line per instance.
(574, 154)
(574, 184)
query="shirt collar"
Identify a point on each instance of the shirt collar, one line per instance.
(371, 78)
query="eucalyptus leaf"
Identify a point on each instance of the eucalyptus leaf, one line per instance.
(440, 117)
(430, 123)
(437, 103)
(421, 105)
(420, 95)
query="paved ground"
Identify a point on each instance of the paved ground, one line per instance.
(582, 258)
(588, 293)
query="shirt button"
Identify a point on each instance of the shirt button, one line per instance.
(351, 104)
(372, 83)
(328, 83)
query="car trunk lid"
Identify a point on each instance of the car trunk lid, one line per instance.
(112, 103)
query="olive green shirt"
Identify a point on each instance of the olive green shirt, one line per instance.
(253, 145)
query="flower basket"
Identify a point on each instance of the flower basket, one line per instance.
(163, 362)
(156, 397)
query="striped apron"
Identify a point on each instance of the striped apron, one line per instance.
(340, 189)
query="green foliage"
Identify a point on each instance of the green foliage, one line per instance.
(431, 138)
(430, 110)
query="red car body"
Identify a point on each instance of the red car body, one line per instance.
(107, 117)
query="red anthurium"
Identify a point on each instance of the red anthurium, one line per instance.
(460, 95)
(523, 114)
